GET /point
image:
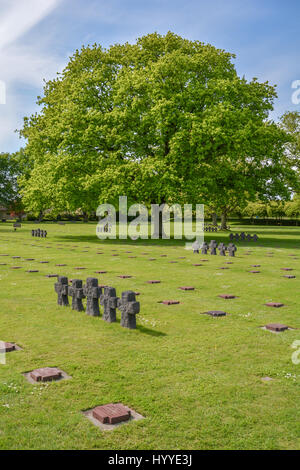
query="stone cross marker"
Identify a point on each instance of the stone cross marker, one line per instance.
(237, 237)
(196, 246)
(255, 237)
(243, 236)
(249, 238)
(232, 249)
(61, 288)
(204, 248)
(231, 236)
(109, 301)
(213, 247)
(222, 249)
(129, 308)
(92, 293)
(77, 294)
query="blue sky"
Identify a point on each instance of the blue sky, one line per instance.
(38, 36)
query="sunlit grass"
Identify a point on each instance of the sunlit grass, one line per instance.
(196, 379)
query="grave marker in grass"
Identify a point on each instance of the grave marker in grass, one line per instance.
(196, 246)
(61, 288)
(232, 249)
(107, 417)
(45, 374)
(227, 296)
(109, 301)
(77, 294)
(7, 347)
(215, 313)
(274, 304)
(204, 248)
(278, 327)
(213, 247)
(129, 309)
(92, 293)
(111, 413)
(222, 249)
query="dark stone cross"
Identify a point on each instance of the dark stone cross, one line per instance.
(61, 288)
(231, 249)
(129, 308)
(204, 248)
(249, 238)
(196, 246)
(243, 236)
(231, 236)
(92, 293)
(237, 237)
(255, 237)
(77, 294)
(222, 249)
(213, 247)
(109, 300)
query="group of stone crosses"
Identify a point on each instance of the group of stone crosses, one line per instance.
(39, 233)
(243, 237)
(213, 246)
(128, 305)
(211, 228)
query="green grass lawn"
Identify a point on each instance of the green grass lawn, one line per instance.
(195, 379)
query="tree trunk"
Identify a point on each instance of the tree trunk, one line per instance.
(214, 219)
(159, 232)
(224, 220)
(85, 217)
(40, 217)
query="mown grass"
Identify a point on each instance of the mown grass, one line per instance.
(196, 379)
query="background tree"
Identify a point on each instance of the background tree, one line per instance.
(290, 122)
(9, 171)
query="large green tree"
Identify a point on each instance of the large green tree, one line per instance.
(162, 120)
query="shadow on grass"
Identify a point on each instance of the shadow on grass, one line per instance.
(265, 242)
(148, 331)
(145, 330)
(291, 234)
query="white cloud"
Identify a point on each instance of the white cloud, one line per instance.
(22, 66)
(20, 16)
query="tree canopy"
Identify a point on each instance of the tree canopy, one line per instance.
(162, 120)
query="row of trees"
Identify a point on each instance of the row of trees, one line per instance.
(164, 120)
(273, 209)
